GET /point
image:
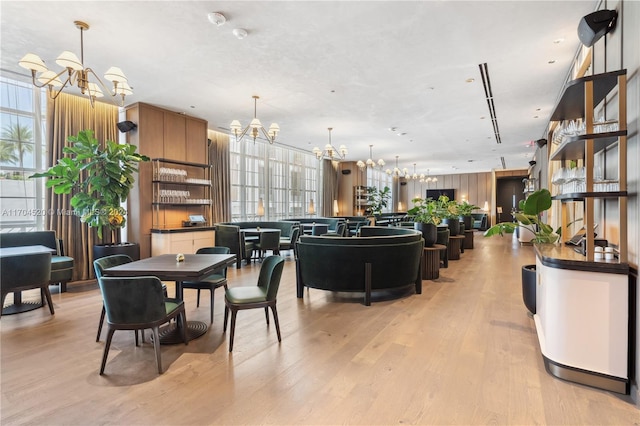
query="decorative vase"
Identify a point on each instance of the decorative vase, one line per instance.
(454, 226)
(529, 287)
(429, 232)
(130, 249)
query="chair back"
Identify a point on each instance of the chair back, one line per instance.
(443, 237)
(99, 265)
(132, 300)
(215, 250)
(270, 274)
(269, 240)
(319, 229)
(341, 228)
(25, 271)
(295, 234)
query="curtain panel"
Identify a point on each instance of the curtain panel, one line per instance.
(329, 186)
(67, 115)
(220, 177)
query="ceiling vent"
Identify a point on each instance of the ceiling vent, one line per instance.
(486, 82)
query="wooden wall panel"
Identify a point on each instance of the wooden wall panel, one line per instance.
(196, 145)
(175, 132)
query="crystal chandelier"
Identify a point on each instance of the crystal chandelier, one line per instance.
(330, 151)
(370, 162)
(397, 172)
(77, 74)
(255, 126)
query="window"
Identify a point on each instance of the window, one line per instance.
(22, 153)
(284, 178)
(380, 180)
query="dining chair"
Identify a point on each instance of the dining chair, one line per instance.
(290, 244)
(26, 272)
(137, 303)
(261, 296)
(213, 281)
(269, 240)
(319, 229)
(99, 265)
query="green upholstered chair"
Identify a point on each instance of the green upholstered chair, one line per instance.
(230, 236)
(261, 296)
(137, 303)
(290, 244)
(341, 229)
(99, 265)
(443, 238)
(26, 272)
(213, 281)
(269, 240)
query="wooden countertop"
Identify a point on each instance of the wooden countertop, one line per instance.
(565, 257)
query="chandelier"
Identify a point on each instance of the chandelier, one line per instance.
(370, 162)
(77, 74)
(255, 126)
(330, 151)
(428, 178)
(397, 172)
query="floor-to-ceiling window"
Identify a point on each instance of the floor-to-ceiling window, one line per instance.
(283, 179)
(380, 179)
(22, 153)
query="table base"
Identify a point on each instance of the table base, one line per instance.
(171, 335)
(17, 308)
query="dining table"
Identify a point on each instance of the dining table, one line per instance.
(18, 304)
(167, 267)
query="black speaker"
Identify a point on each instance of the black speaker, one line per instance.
(595, 25)
(541, 142)
(346, 172)
(532, 163)
(403, 183)
(126, 126)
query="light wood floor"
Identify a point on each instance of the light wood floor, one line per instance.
(463, 352)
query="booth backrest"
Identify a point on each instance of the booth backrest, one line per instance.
(285, 227)
(371, 231)
(339, 264)
(35, 238)
(332, 222)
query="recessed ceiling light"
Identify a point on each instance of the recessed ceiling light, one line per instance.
(482, 118)
(470, 80)
(553, 61)
(216, 18)
(240, 33)
(193, 106)
(535, 116)
(558, 40)
(393, 129)
(537, 109)
(402, 133)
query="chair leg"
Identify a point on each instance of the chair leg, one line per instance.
(198, 300)
(102, 314)
(106, 349)
(226, 317)
(135, 333)
(266, 314)
(156, 347)
(233, 328)
(211, 308)
(183, 326)
(45, 290)
(275, 320)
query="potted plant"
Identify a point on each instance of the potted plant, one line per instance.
(528, 217)
(426, 219)
(465, 209)
(100, 179)
(448, 211)
(378, 199)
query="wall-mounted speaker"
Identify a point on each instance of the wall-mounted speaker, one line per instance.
(541, 142)
(126, 126)
(403, 183)
(346, 172)
(595, 25)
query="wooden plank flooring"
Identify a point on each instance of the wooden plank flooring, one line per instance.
(463, 352)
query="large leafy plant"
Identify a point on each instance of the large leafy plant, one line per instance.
(100, 179)
(529, 217)
(465, 208)
(424, 211)
(446, 208)
(378, 199)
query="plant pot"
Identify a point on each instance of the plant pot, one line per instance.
(429, 232)
(454, 226)
(130, 249)
(529, 287)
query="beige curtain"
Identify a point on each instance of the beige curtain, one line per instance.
(66, 116)
(220, 176)
(329, 186)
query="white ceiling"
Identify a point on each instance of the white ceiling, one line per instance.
(360, 67)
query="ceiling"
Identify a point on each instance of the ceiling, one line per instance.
(360, 67)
